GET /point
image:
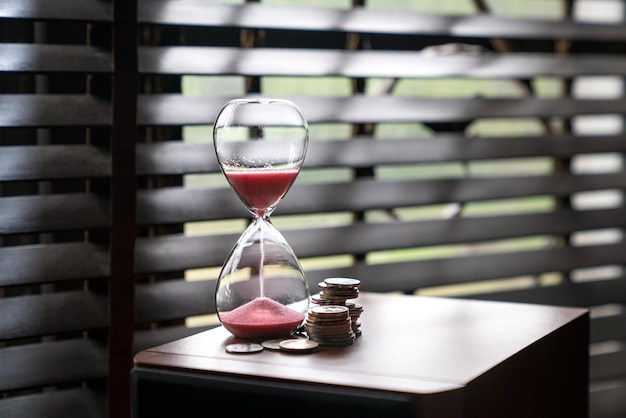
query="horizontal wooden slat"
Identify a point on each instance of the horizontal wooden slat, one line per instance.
(371, 194)
(30, 264)
(151, 338)
(173, 205)
(367, 152)
(176, 157)
(18, 163)
(579, 294)
(608, 402)
(261, 16)
(52, 363)
(363, 238)
(609, 327)
(43, 213)
(30, 110)
(611, 366)
(161, 301)
(190, 205)
(409, 276)
(175, 109)
(72, 403)
(37, 315)
(24, 163)
(361, 20)
(174, 253)
(86, 10)
(387, 64)
(39, 58)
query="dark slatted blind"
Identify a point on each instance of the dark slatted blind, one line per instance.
(68, 77)
(473, 152)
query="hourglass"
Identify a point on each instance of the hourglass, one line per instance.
(260, 145)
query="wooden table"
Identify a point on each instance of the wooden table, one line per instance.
(417, 357)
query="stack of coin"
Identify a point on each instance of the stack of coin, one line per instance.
(355, 310)
(330, 325)
(338, 291)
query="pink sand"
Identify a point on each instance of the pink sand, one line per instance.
(261, 318)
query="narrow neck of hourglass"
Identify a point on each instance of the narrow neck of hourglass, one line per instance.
(262, 213)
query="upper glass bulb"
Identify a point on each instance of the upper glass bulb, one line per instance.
(260, 145)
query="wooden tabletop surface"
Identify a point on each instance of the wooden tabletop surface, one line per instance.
(410, 344)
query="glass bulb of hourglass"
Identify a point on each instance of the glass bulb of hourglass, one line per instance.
(260, 145)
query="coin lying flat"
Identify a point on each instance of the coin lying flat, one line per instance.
(342, 282)
(298, 345)
(272, 344)
(243, 348)
(329, 310)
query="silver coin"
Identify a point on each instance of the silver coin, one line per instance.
(272, 344)
(244, 348)
(329, 310)
(298, 345)
(342, 281)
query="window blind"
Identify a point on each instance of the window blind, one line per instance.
(466, 153)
